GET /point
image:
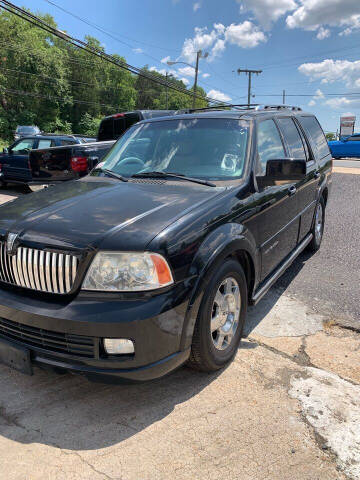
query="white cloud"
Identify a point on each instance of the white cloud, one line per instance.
(196, 6)
(206, 75)
(318, 96)
(330, 71)
(217, 95)
(187, 71)
(341, 103)
(163, 71)
(166, 59)
(312, 103)
(245, 35)
(184, 80)
(312, 14)
(138, 50)
(267, 11)
(323, 33)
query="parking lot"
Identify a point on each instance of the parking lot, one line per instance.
(287, 407)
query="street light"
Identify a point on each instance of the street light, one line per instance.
(199, 55)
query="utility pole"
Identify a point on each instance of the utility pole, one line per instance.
(284, 97)
(249, 73)
(166, 91)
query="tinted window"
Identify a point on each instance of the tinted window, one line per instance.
(355, 138)
(315, 135)
(292, 138)
(67, 142)
(45, 143)
(269, 144)
(106, 129)
(23, 145)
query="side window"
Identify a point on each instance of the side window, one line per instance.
(64, 142)
(269, 144)
(45, 143)
(354, 138)
(23, 145)
(316, 136)
(292, 138)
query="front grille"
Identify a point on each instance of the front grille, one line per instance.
(38, 270)
(52, 341)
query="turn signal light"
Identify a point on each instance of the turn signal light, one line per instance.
(162, 270)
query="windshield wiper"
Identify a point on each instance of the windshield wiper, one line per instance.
(155, 174)
(112, 174)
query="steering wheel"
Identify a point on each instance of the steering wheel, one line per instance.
(131, 161)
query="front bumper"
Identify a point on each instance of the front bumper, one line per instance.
(155, 323)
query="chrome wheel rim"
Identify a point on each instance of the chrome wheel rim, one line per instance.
(318, 223)
(225, 313)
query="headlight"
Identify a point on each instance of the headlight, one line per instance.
(127, 272)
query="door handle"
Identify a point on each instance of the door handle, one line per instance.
(292, 190)
(317, 174)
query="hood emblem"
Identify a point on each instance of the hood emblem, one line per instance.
(10, 243)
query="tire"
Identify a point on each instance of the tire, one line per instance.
(318, 226)
(224, 304)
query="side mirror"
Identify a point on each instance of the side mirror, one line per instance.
(5, 150)
(286, 169)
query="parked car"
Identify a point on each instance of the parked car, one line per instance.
(113, 126)
(346, 147)
(25, 131)
(16, 166)
(152, 259)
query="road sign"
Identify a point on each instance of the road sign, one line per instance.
(347, 123)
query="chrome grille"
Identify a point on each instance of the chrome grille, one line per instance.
(38, 270)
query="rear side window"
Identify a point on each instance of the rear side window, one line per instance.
(292, 138)
(355, 138)
(269, 144)
(45, 143)
(64, 142)
(315, 135)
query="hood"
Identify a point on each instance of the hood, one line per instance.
(100, 212)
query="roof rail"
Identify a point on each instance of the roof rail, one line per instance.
(278, 107)
(243, 106)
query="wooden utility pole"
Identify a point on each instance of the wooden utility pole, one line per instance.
(284, 97)
(249, 73)
(166, 91)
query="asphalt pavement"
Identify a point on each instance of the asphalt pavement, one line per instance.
(329, 281)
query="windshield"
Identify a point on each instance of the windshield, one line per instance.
(202, 148)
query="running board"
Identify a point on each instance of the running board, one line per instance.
(281, 269)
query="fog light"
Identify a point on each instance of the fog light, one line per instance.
(118, 346)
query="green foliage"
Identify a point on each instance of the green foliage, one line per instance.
(47, 82)
(330, 136)
(89, 125)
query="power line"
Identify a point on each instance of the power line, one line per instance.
(55, 98)
(24, 15)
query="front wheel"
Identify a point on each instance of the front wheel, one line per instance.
(318, 226)
(221, 318)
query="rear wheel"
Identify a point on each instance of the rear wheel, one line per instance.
(318, 226)
(221, 318)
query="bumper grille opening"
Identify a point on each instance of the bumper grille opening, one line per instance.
(38, 270)
(78, 345)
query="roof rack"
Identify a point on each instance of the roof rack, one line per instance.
(278, 107)
(240, 106)
(70, 135)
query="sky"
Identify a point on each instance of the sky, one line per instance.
(309, 48)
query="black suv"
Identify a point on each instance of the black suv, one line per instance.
(152, 259)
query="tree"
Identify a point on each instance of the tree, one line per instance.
(330, 136)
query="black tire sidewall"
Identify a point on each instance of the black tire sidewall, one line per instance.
(317, 243)
(213, 357)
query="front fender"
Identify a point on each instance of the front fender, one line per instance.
(221, 243)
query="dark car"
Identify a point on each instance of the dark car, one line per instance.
(17, 166)
(152, 259)
(346, 147)
(25, 131)
(113, 126)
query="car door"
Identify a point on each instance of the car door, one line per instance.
(16, 166)
(319, 162)
(275, 225)
(306, 188)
